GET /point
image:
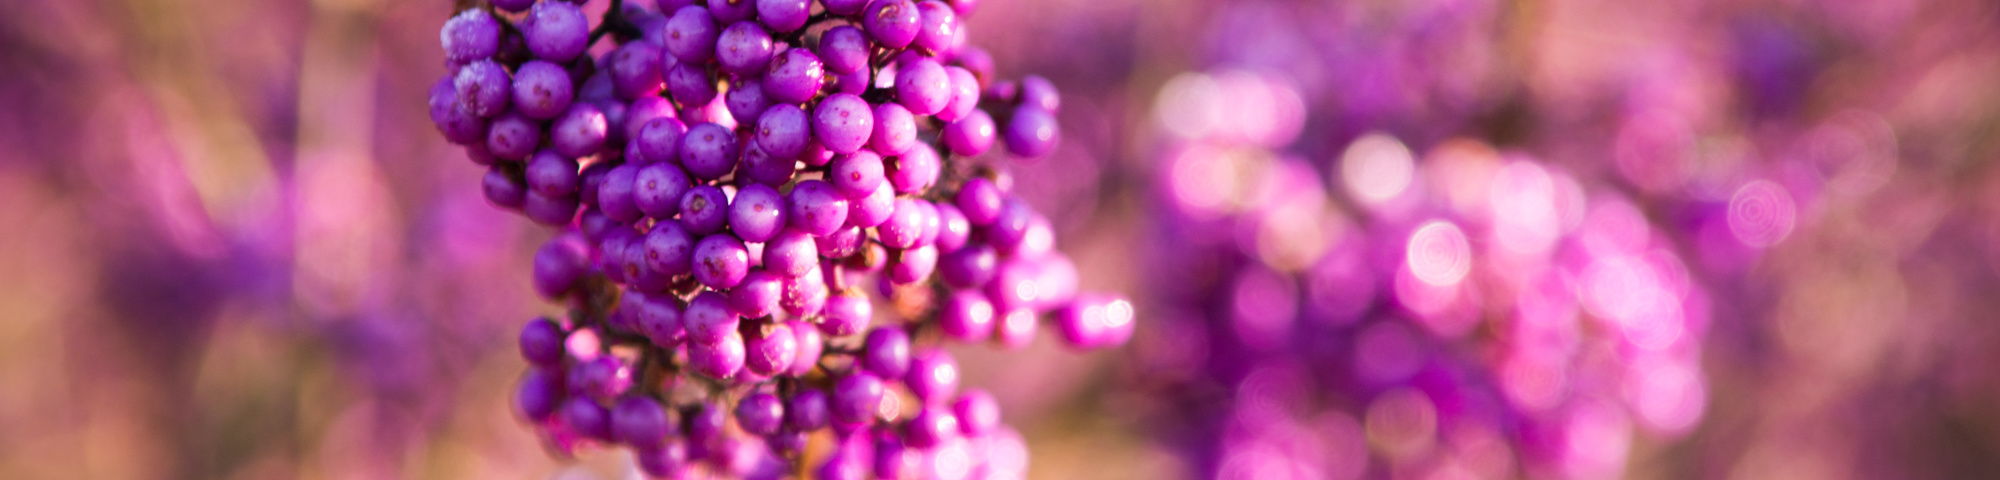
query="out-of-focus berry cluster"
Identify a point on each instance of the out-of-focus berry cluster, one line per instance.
(771, 217)
(1365, 308)
(1466, 311)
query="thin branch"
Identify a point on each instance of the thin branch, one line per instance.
(613, 20)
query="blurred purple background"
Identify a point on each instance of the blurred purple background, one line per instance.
(238, 249)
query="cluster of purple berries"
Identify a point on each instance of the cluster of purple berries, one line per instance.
(737, 183)
(1458, 311)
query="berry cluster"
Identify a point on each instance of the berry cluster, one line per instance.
(738, 183)
(1463, 311)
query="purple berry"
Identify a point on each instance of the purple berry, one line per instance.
(705, 425)
(551, 174)
(709, 151)
(744, 48)
(928, 230)
(590, 181)
(810, 344)
(933, 376)
(720, 359)
(483, 88)
(691, 35)
(503, 190)
(732, 11)
(843, 122)
(709, 319)
(704, 210)
(846, 314)
(639, 421)
(638, 114)
(587, 418)
(548, 210)
(967, 316)
(658, 189)
(977, 411)
(513, 137)
(931, 427)
(842, 243)
(890, 454)
(886, 352)
(611, 258)
(1010, 225)
(1095, 321)
(659, 319)
(690, 85)
(595, 225)
(772, 347)
(757, 213)
(895, 130)
(457, 125)
(969, 267)
(1015, 328)
(852, 83)
(1037, 92)
(817, 208)
(634, 70)
(539, 394)
(964, 94)
(660, 141)
(872, 210)
(720, 261)
(669, 460)
(790, 253)
(892, 24)
(1032, 132)
(953, 229)
(746, 100)
(795, 76)
(904, 226)
(856, 174)
(757, 295)
(807, 410)
(542, 342)
(937, 24)
(470, 35)
(784, 16)
(916, 170)
(760, 413)
(980, 200)
(596, 88)
(922, 86)
(603, 377)
(669, 249)
(639, 275)
(580, 132)
(784, 131)
(972, 135)
(912, 265)
(804, 295)
(964, 7)
(844, 49)
(615, 195)
(844, 7)
(855, 398)
(761, 168)
(560, 264)
(556, 31)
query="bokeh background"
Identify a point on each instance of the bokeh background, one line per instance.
(235, 247)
